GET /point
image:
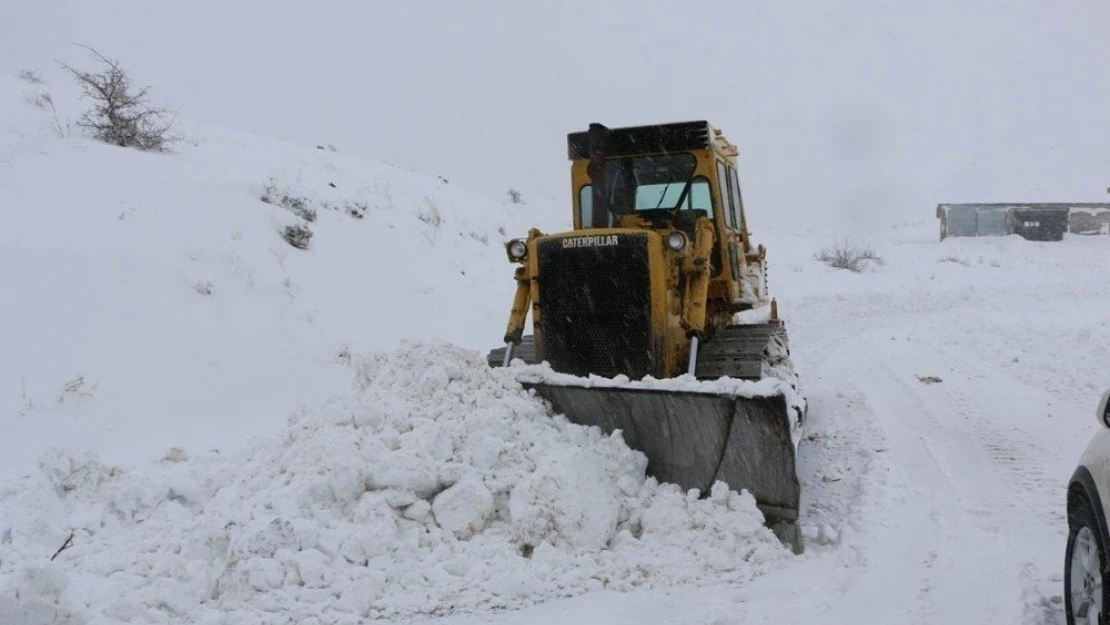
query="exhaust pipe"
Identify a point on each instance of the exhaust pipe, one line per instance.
(595, 139)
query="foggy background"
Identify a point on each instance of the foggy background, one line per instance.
(870, 112)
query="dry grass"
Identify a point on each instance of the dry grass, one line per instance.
(849, 256)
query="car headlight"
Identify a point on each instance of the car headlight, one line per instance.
(676, 241)
(518, 249)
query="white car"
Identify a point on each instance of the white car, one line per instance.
(1085, 565)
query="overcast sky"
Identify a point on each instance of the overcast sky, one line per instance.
(873, 111)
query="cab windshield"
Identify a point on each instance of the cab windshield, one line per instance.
(641, 183)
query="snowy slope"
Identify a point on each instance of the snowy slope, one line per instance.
(151, 302)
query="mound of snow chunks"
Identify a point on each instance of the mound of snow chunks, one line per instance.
(437, 486)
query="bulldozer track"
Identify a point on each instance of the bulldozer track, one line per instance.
(746, 352)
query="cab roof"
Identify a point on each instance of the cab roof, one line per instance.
(653, 139)
(645, 140)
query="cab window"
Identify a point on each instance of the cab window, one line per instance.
(649, 197)
(738, 206)
(722, 189)
(586, 210)
(700, 198)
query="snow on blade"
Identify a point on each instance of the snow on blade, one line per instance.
(542, 373)
(438, 486)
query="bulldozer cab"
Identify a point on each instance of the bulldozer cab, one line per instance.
(664, 176)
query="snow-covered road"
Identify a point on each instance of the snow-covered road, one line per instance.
(958, 483)
(945, 421)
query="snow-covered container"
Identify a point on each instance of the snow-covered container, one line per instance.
(1090, 220)
(1033, 221)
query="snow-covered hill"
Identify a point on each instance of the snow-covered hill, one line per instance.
(150, 300)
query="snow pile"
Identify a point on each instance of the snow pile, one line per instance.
(440, 486)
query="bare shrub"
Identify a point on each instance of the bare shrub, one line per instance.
(297, 235)
(430, 214)
(952, 258)
(43, 100)
(63, 130)
(77, 388)
(353, 208)
(40, 100)
(279, 195)
(26, 402)
(175, 455)
(30, 76)
(356, 209)
(515, 196)
(120, 115)
(345, 356)
(847, 255)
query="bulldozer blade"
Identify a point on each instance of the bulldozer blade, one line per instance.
(694, 439)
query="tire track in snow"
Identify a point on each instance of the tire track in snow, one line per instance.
(998, 500)
(933, 539)
(860, 506)
(937, 494)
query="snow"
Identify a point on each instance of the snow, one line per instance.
(235, 431)
(470, 502)
(542, 373)
(329, 518)
(463, 508)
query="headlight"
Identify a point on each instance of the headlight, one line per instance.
(676, 241)
(518, 249)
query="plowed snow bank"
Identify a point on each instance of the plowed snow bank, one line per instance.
(439, 486)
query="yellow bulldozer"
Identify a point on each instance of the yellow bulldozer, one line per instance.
(653, 282)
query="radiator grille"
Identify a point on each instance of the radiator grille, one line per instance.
(595, 304)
